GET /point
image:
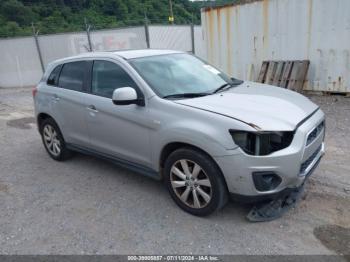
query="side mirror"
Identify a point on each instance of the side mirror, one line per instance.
(126, 96)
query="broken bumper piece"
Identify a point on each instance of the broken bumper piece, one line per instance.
(267, 211)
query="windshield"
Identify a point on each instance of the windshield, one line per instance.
(176, 74)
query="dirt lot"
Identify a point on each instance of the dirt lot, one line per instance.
(89, 206)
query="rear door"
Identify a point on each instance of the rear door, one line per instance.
(70, 104)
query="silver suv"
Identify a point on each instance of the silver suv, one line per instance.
(171, 116)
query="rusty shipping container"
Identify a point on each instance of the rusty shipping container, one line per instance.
(240, 36)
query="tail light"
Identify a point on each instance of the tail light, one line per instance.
(34, 91)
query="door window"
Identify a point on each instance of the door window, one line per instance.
(53, 78)
(108, 76)
(72, 76)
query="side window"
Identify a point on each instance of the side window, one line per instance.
(72, 76)
(108, 76)
(53, 78)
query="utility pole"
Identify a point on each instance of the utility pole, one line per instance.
(146, 30)
(87, 29)
(192, 36)
(35, 34)
(171, 17)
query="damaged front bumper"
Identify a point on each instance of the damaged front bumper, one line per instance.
(289, 165)
(279, 203)
(283, 193)
(248, 177)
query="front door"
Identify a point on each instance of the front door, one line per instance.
(121, 131)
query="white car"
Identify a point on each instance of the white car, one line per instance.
(169, 115)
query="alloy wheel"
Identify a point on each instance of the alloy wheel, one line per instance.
(51, 140)
(190, 183)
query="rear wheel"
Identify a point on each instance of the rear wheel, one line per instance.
(195, 182)
(53, 140)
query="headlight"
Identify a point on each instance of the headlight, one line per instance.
(261, 143)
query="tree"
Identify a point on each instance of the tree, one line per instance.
(54, 16)
(14, 10)
(10, 29)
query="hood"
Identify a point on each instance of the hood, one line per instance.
(264, 107)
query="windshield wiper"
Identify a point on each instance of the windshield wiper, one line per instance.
(186, 95)
(235, 82)
(222, 87)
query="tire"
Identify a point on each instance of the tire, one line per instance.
(188, 192)
(53, 140)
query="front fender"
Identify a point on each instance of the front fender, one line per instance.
(202, 138)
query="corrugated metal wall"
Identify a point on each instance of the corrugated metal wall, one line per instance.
(200, 46)
(116, 39)
(240, 37)
(61, 45)
(170, 37)
(20, 64)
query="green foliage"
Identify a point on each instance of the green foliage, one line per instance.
(15, 11)
(53, 16)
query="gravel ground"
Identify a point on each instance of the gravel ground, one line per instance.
(89, 206)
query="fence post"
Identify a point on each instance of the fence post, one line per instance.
(35, 34)
(87, 29)
(147, 34)
(192, 38)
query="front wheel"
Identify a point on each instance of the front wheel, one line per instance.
(195, 182)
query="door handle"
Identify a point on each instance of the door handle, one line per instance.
(92, 108)
(55, 98)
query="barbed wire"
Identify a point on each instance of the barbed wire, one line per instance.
(43, 28)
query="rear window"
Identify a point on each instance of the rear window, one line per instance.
(72, 76)
(53, 78)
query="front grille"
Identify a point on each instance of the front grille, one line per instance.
(308, 161)
(314, 133)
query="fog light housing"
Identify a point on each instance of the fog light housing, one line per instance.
(266, 181)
